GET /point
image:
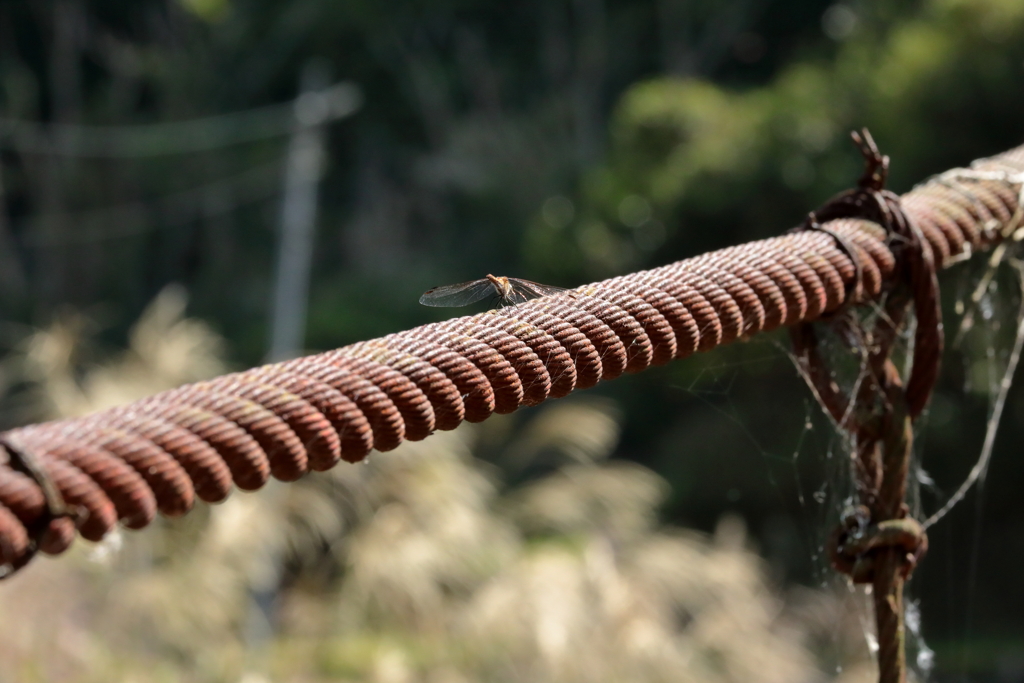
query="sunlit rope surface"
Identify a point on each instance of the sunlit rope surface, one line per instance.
(283, 420)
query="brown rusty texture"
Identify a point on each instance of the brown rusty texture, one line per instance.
(283, 420)
(879, 543)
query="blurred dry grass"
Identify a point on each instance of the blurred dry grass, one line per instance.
(420, 565)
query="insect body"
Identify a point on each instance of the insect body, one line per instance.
(509, 291)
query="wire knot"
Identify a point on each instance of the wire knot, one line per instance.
(855, 544)
(870, 200)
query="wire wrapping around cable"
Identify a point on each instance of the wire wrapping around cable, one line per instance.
(283, 420)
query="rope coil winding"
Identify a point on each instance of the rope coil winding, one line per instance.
(286, 419)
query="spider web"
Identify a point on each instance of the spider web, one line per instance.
(988, 343)
(806, 459)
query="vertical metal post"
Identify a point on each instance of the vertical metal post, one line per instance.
(303, 167)
(298, 215)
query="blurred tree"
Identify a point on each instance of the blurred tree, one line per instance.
(475, 115)
(696, 165)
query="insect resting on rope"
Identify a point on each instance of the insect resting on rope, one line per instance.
(508, 290)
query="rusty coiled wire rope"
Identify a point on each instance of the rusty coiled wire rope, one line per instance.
(283, 420)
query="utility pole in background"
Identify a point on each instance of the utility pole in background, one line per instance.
(316, 105)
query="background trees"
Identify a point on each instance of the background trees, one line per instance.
(558, 141)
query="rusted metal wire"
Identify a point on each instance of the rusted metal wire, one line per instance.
(283, 420)
(879, 543)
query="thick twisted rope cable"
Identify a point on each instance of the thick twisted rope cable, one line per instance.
(283, 420)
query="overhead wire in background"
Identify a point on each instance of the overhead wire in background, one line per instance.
(309, 108)
(130, 219)
(179, 137)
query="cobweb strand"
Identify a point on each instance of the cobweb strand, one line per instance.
(977, 473)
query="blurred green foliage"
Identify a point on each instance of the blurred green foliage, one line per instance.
(693, 154)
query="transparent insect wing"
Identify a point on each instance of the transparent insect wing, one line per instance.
(532, 290)
(465, 293)
(462, 294)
